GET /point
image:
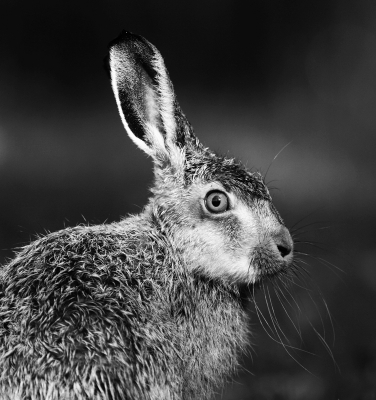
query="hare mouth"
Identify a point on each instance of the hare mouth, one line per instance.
(267, 263)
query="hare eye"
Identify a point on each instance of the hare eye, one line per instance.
(216, 202)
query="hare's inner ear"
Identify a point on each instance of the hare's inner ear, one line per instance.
(144, 94)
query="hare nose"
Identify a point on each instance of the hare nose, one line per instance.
(284, 242)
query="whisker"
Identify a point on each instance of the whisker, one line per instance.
(298, 230)
(296, 327)
(333, 268)
(304, 218)
(273, 315)
(275, 157)
(263, 320)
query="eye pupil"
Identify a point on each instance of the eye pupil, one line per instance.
(216, 201)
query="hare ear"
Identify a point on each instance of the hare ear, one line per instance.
(144, 94)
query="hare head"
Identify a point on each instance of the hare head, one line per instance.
(218, 216)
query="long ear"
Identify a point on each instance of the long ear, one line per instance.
(144, 95)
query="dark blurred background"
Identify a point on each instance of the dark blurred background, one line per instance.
(252, 77)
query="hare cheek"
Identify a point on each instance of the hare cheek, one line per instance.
(219, 255)
(248, 239)
(248, 230)
(206, 252)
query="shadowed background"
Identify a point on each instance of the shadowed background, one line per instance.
(252, 77)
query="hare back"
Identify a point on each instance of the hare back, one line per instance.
(109, 312)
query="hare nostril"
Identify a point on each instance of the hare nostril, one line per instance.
(284, 250)
(283, 242)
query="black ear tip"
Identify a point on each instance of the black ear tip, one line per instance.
(124, 38)
(134, 46)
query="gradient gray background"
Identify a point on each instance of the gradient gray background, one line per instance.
(252, 76)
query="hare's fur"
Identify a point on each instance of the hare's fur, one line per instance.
(150, 307)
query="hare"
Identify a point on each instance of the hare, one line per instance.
(150, 307)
